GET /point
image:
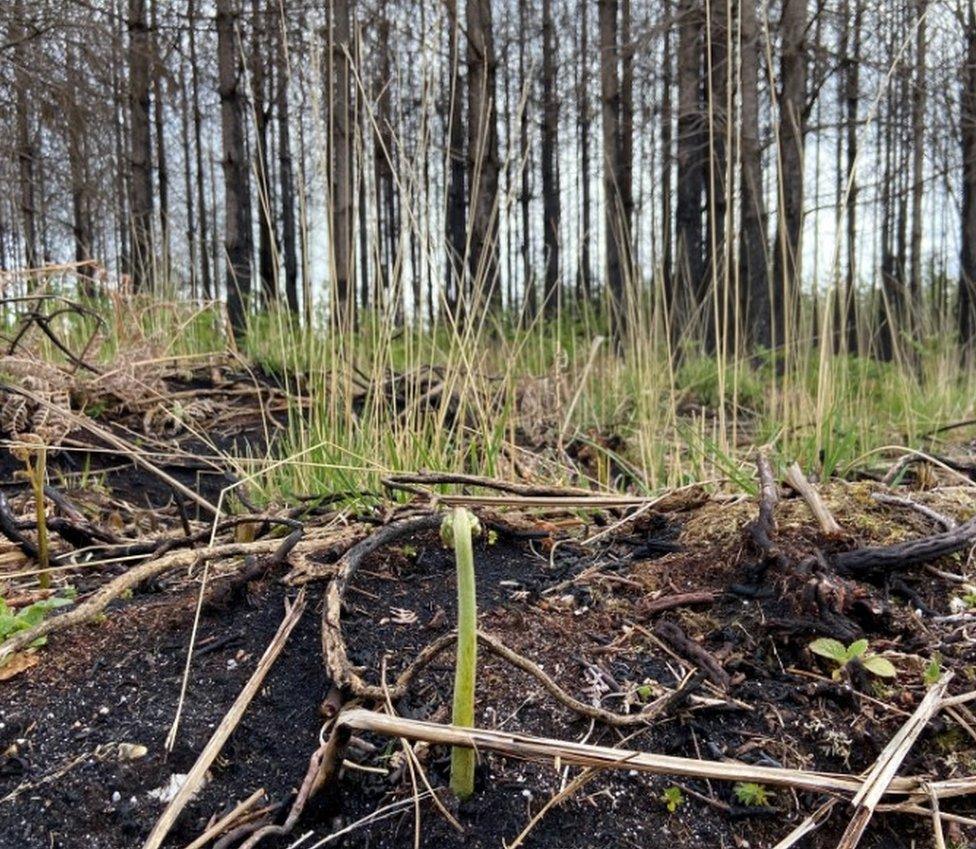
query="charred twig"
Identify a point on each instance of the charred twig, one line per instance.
(693, 652)
(763, 528)
(404, 480)
(9, 528)
(904, 554)
(652, 606)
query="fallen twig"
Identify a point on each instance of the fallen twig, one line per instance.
(525, 747)
(293, 613)
(881, 775)
(796, 479)
(227, 820)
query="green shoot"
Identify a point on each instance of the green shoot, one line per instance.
(36, 473)
(11, 622)
(456, 532)
(673, 798)
(751, 795)
(858, 650)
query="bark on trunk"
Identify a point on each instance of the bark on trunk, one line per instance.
(792, 131)
(967, 260)
(550, 170)
(140, 153)
(237, 195)
(614, 225)
(690, 270)
(341, 131)
(753, 267)
(483, 163)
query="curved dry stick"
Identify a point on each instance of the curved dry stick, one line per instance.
(106, 594)
(333, 644)
(403, 480)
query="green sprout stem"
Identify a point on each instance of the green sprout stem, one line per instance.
(457, 531)
(37, 471)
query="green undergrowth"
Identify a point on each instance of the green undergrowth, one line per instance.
(471, 397)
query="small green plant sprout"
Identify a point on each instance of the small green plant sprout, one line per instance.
(751, 795)
(933, 670)
(673, 798)
(33, 454)
(12, 621)
(457, 530)
(858, 650)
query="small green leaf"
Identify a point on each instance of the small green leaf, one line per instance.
(880, 666)
(830, 648)
(933, 671)
(673, 798)
(751, 794)
(857, 648)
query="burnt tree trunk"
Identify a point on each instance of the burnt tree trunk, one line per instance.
(237, 194)
(967, 259)
(550, 170)
(483, 162)
(690, 156)
(792, 131)
(753, 265)
(140, 153)
(614, 230)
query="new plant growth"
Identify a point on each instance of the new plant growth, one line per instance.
(673, 798)
(34, 458)
(858, 650)
(751, 795)
(12, 621)
(457, 530)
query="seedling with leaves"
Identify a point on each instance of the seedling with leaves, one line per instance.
(673, 798)
(751, 795)
(457, 530)
(857, 651)
(12, 621)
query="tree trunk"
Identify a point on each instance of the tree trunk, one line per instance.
(667, 161)
(852, 84)
(237, 194)
(615, 232)
(753, 269)
(341, 129)
(525, 157)
(205, 276)
(918, 157)
(162, 172)
(626, 175)
(26, 149)
(585, 279)
(483, 163)
(967, 259)
(550, 170)
(792, 131)
(286, 180)
(81, 227)
(690, 271)
(260, 108)
(455, 216)
(140, 153)
(191, 221)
